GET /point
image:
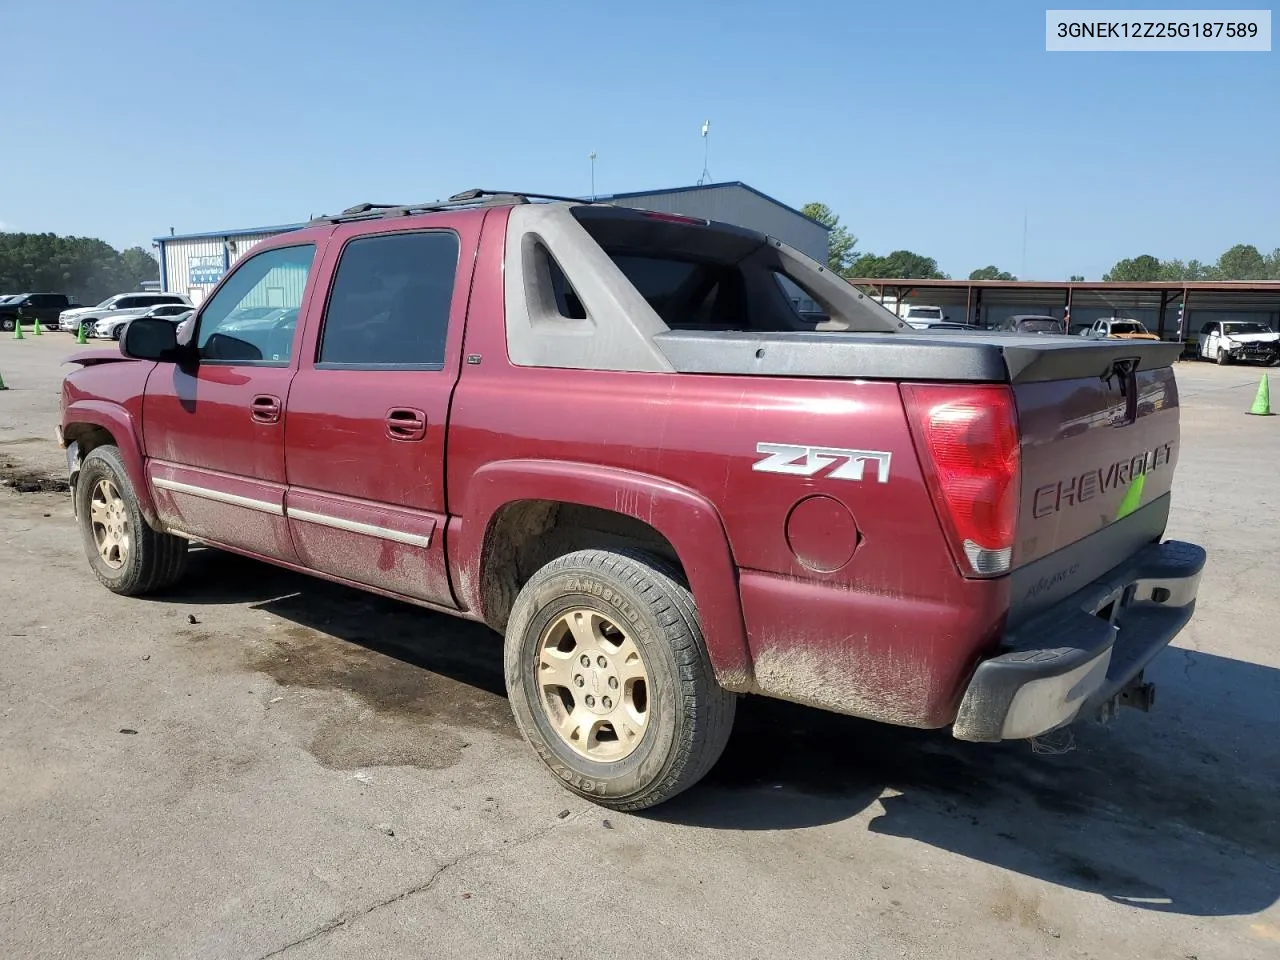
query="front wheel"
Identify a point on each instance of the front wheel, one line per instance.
(7, 324)
(126, 555)
(1223, 358)
(609, 679)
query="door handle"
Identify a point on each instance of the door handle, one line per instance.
(406, 423)
(265, 409)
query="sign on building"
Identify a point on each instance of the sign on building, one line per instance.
(204, 271)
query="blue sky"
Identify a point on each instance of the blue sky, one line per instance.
(929, 126)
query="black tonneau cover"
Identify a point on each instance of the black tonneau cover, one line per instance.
(967, 357)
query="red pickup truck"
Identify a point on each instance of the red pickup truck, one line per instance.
(608, 434)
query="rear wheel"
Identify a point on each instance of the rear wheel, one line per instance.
(609, 679)
(126, 555)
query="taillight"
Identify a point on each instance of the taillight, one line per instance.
(967, 438)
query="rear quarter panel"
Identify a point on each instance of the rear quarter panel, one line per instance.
(850, 598)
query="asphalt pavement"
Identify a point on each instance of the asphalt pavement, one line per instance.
(258, 764)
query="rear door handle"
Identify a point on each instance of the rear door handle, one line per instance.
(406, 423)
(265, 409)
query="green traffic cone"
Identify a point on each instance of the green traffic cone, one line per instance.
(36, 327)
(2, 386)
(1262, 402)
(17, 329)
(80, 337)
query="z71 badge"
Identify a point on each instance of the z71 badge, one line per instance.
(809, 461)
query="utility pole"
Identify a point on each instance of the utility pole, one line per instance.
(592, 157)
(706, 153)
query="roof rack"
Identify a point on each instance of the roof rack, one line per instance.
(468, 198)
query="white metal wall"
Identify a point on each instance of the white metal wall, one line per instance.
(194, 266)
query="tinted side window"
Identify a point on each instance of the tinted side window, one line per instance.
(253, 316)
(128, 303)
(389, 306)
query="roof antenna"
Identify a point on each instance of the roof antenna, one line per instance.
(706, 153)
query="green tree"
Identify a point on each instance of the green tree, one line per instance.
(900, 264)
(1242, 262)
(82, 267)
(1273, 264)
(1137, 270)
(840, 242)
(991, 272)
(1077, 278)
(137, 265)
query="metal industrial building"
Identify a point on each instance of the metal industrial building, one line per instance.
(193, 263)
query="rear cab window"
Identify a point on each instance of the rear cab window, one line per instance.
(389, 305)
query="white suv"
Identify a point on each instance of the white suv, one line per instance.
(140, 303)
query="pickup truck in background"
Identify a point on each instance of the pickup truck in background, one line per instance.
(1116, 328)
(28, 308)
(609, 435)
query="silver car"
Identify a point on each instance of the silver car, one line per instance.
(112, 327)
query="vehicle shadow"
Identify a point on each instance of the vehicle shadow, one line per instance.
(1178, 811)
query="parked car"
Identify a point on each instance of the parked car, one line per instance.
(609, 435)
(72, 320)
(1234, 341)
(1117, 328)
(1032, 323)
(923, 314)
(32, 307)
(938, 325)
(110, 327)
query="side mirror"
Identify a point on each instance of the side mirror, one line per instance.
(150, 338)
(946, 317)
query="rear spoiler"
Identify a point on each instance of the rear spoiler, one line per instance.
(955, 357)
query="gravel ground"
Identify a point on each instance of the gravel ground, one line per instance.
(258, 764)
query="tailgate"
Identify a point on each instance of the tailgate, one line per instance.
(1098, 454)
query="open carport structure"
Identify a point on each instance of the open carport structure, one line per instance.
(1175, 310)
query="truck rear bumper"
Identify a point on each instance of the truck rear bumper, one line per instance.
(1077, 656)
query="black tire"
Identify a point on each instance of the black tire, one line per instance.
(690, 716)
(7, 324)
(1222, 358)
(154, 560)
